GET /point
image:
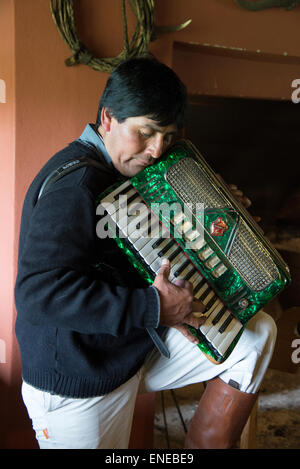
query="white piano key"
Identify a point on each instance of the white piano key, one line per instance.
(128, 218)
(156, 265)
(209, 297)
(190, 275)
(208, 323)
(174, 266)
(125, 207)
(110, 198)
(214, 330)
(201, 291)
(119, 203)
(139, 236)
(173, 248)
(229, 337)
(138, 243)
(186, 270)
(149, 253)
(194, 279)
(219, 338)
(136, 206)
(146, 239)
(137, 223)
(177, 262)
(215, 305)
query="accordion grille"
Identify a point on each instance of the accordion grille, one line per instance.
(247, 255)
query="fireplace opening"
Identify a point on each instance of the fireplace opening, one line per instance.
(255, 144)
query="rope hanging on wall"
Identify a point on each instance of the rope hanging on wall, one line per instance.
(144, 32)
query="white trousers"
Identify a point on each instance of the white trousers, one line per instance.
(105, 422)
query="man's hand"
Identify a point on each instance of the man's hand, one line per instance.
(240, 197)
(178, 306)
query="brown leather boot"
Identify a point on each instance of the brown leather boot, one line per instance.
(220, 417)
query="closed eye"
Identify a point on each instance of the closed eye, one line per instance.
(146, 134)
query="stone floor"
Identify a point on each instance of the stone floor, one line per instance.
(278, 422)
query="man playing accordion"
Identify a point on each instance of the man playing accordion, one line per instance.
(84, 313)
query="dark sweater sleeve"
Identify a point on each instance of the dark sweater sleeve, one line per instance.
(54, 285)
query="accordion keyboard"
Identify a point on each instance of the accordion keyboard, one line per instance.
(150, 242)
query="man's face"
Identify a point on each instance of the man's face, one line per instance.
(135, 143)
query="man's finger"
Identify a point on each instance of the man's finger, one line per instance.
(246, 202)
(197, 314)
(196, 322)
(187, 333)
(180, 282)
(165, 268)
(198, 307)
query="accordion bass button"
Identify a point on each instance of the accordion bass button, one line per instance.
(212, 262)
(205, 253)
(198, 244)
(218, 271)
(184, 227)
(178, 218)
(191, 235)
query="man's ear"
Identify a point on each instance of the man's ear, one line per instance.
(105, 119)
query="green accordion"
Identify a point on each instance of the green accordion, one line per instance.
(177, 208)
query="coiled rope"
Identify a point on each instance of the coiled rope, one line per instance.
(145, 31)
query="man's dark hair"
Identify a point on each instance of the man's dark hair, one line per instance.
(145, 87)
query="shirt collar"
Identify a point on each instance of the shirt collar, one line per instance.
(91, 137)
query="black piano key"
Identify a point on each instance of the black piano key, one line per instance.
(200, 285)
(189, 274)
(211, 302)
(146, 218)
(132, 197)
(166, 248)
(226, 323)
(205, 294)
(181, 268)
(151, 227)
(219, 315)
(124, 191)
(174, 254)
(158, 242)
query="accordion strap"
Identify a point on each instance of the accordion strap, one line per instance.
(67, 168)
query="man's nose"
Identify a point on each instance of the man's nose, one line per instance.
(155, 147)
